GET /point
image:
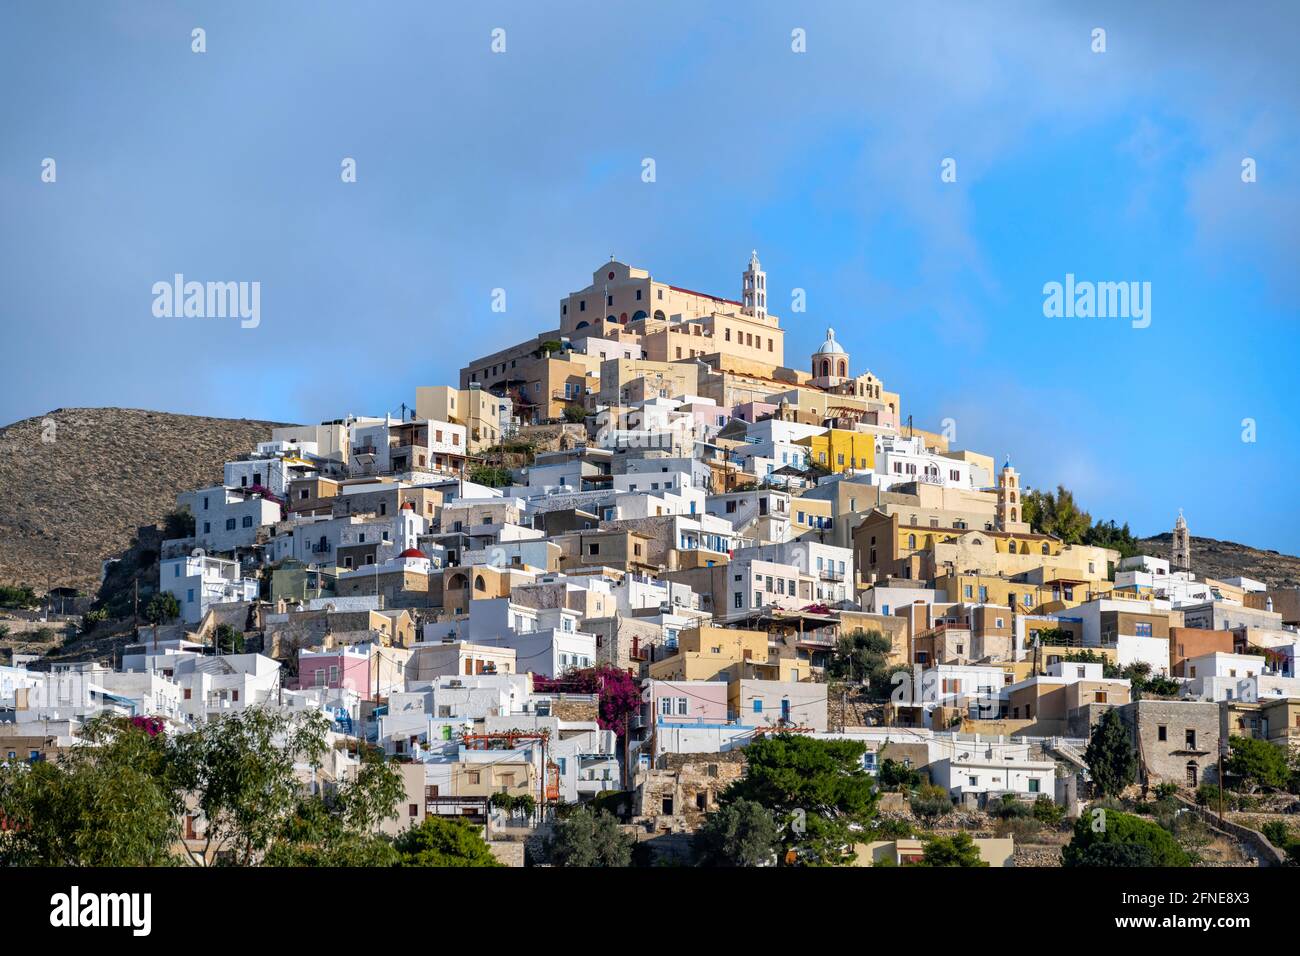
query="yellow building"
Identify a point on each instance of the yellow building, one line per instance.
(475, 408)
(839, 450)
(723, 653)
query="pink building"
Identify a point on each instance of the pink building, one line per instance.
(754, 411)
(687, 701)
(344, 667)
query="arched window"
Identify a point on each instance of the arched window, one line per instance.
(1011, 547)
(638, 315)
(1013, 514)
(659, 315)
(1193, 773)
(911, 541)
(826, 368)
(479, 583)
(844, 368)
(1045, 550)
(612, 319)
(581, 325)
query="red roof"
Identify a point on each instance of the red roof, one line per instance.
(412, 553)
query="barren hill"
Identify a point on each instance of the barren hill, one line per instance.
(77, 482)
(1228, 559)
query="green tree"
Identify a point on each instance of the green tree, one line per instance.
(863, 658)
(1107, 535)
(742, 833)
(1056, 514)
(896, 775)
(1110, 756)
(817, 789)
(1047, 810)
(439, 841)
(241, 771)
(17, 597)
(178, 524)
(1113, 838)
(956, 850)
(585, 838)
(1257, 763)
(103, 804)
(575, 414)
(228, 639)
(162, 608)
(315, 834)
(494, 476)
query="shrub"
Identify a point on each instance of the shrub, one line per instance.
(1207, 795)
(1009, 808)
(1048, 811)
(931, 802)
(1018, 828)
(1121, 839)
(1276, 832)
(893, 828)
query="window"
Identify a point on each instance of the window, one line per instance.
(1033, 786)
(1162, 732)
(758, 706)
(1190, 737)
(230, 524)
(1142, 629)
(681, 706)
(474, 776)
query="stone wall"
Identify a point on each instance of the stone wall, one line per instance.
(678, 794)
(1169, 760)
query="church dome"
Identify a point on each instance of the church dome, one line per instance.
(830, 346)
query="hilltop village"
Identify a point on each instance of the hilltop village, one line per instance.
(613, 562)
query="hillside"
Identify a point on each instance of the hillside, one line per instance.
(77, 482)
(1228, 559)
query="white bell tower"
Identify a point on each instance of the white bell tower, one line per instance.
(753, 288)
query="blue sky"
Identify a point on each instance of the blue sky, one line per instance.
(522, 171)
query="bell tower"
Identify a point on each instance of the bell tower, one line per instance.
(1180, 547)
(1010, 506)
(753, 288)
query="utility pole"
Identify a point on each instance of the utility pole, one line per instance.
(1223, 745)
